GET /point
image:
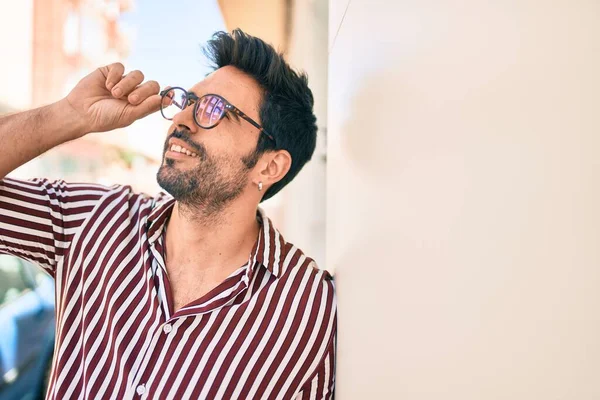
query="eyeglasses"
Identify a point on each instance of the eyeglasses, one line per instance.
(209, 109)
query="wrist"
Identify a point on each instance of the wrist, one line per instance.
(64, 118)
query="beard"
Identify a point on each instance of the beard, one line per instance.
(211, 184)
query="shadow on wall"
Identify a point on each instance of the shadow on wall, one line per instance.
(377, 149)
(403, 182)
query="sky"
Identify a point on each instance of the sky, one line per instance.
(167, 38)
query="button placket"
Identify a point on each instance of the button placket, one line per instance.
(159, 264)
(139, 380)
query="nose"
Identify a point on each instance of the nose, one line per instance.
(184, 120)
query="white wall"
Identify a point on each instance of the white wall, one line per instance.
(463, 215)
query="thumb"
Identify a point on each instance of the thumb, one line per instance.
(145, 108)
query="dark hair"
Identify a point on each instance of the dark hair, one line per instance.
(286, 111)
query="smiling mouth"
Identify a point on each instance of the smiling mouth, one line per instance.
(178, 149)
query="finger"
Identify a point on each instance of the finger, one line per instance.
(143, 91)
(127, 84)
(166, 90)
(115, 72)
(147, 107)
(167, 101)
(168, 97)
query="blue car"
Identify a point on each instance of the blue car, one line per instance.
(26, 329)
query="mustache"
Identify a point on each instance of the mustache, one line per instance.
(184, 137)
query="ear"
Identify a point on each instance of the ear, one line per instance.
(274, 165)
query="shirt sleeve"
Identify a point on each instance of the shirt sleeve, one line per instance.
(322, 385)
(320, 382)
(39, 218)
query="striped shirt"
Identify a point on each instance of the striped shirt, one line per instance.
(266, 332)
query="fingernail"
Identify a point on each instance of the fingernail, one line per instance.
(134, 98)
(117, 92)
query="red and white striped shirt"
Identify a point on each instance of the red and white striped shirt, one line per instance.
(266, 332)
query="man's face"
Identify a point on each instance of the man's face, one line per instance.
(219, 171)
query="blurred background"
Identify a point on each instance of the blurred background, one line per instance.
(454, 190)
(47, 46)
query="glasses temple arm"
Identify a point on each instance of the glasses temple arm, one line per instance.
(247, 118)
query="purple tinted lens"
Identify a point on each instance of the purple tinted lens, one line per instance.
(210, 110)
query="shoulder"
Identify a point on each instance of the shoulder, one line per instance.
(315, 284)
(298, 277)
(125, 193)
(62, 189)
(54, 188)
(294, 261)
(288, 262)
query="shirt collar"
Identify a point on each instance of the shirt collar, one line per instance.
(269, 249)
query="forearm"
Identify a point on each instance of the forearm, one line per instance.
(26, 135)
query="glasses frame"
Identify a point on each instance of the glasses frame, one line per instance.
(192, 98)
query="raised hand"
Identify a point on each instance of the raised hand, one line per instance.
(106, 99)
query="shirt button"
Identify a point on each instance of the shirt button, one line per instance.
(167, 328)
(141, 389)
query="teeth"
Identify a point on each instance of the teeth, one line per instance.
(180, 149)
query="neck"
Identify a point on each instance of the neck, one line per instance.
(211, 242)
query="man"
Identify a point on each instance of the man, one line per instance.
(193, 294)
